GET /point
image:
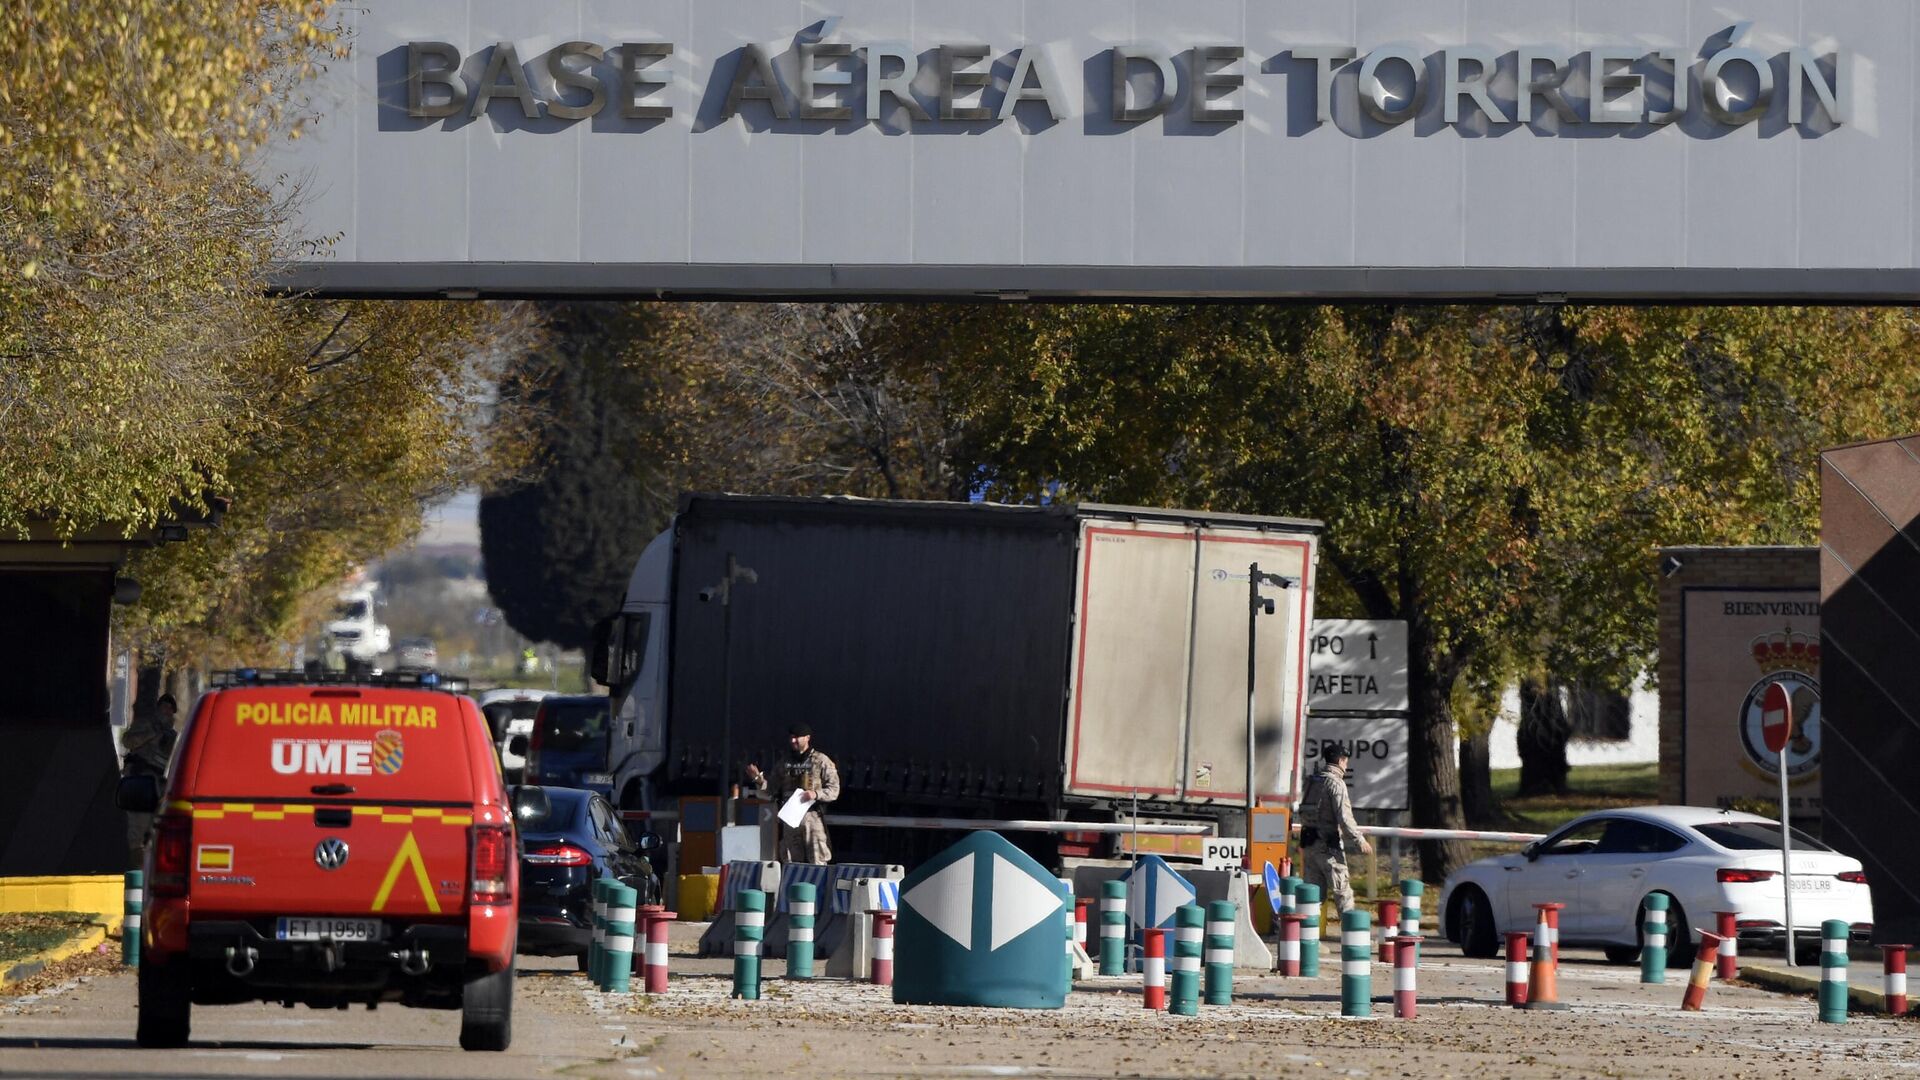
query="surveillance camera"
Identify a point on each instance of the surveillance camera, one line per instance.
(706, 595)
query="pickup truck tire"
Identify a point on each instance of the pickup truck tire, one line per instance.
(166, 1006)
(486, 1011)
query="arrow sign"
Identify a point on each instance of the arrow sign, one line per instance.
(1271, 878)
(1154, 892)
(980, 924)
(1776, 717)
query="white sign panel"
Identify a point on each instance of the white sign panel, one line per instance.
(1377, 771)
(1224, 853)
(1700, 148)
(1357, 665)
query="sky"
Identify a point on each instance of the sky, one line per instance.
(456, 521)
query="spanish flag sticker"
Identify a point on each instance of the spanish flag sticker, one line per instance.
(214, 858)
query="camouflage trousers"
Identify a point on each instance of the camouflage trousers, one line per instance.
(1327, 868)
(807, 843)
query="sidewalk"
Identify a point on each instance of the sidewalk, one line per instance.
(1864, 981)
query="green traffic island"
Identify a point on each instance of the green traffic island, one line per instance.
(29, 940)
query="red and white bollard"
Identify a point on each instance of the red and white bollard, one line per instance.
(654, 959)
(1893, 961)
(1552, 914)
(1726, 924)
(1702, 971)
(1406, 953)
(1153, 970)
(1389, 923)
(883, 948)
(1080, 906)
(1517, 968)
(1290, 946)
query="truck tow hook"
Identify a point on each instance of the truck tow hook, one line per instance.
(415, 961)
(240, 960)
(329, 957)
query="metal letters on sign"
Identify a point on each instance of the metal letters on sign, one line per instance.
(1357, 665)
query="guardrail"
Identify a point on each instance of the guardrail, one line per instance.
(1395, 832)
(1145, 828)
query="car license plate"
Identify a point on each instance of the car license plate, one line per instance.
(597, 778)
(318, 928)
(1812, 884)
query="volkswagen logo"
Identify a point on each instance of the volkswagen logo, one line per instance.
(331, 853)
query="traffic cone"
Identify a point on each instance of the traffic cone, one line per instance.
(1543, 983)
(1704, 958)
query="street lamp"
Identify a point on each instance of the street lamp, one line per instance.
(723, 592)
(1257, 606)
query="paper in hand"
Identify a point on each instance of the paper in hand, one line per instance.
(795, 810)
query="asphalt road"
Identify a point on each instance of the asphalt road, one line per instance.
(1615, 1028)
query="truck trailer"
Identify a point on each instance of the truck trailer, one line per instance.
(1060, 662)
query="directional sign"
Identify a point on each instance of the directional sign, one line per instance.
(980, 924)
(1357, 665)
(1776, 717)
(1377, 771)
(1271, 879)
(1154, 893)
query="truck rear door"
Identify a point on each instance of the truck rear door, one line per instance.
(332, 801)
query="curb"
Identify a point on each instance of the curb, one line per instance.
(35, 964)
(1790, 981)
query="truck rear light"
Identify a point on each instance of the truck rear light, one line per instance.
(558, 855)
(1856, 877)
(492, 860)
(172, 842)
(1740, 875)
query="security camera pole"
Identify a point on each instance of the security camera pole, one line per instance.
(1257, 606)
(723, 592)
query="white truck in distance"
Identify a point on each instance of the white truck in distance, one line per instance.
(356, 635)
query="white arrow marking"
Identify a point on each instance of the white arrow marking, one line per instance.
(1020, 901)
(1169, 892)
(945, 899)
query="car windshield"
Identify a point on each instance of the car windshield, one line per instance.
(500, 713)
(1755, 836)
(355, 610)
(573, 725)
(564, 816)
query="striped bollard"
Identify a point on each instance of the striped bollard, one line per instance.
(1653, 940)
(1307, 899)
(883, 948)
(1406, 958)
(800, 908)
(1219, 955)
(1189, 933)
(1550, 914)
(1153, 970)
(135, 903)
(1727, 925)
(1833, 971)
(749, 932)
(1069, 931)
(1080, 906)
(597, 946)
(1893, 965)
(1356, 964)
(1389, 926)
(1702, 971)
(1411, 890)
(1113, 928)
(654, 960)
(1290, 895)
(620, 922)
(1517, 968)
(1290, 945)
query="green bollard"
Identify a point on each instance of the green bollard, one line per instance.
(1066, 894)
(622, 913)
(800, 901)
(749, 931)
(1306, 900)
(1290, 894)
(1189, 927)
(597, 947)
(136, 904)
(1219, 957)
(1113, 927)
(1411, 890)
(1833, 971)
(1356, 963)
(1653, 940)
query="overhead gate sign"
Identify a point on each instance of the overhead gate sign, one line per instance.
(1013, 148)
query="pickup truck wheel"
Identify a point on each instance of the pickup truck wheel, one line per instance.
(166, 1005)
(486, 1011)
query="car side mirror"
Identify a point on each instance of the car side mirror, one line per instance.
(647, 841)
(138, 794)
(1531, 851)
(517, 745)
(531, 804)
(599, 652)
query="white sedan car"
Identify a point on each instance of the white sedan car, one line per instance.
(1603, 867)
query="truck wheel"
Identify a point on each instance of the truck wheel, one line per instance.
(166, 1003)
(486, 1011)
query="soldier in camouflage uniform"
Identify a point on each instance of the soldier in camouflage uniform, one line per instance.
(1326, 817)
(810, 771)
(148, 743)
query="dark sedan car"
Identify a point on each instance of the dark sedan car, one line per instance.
(578, 838)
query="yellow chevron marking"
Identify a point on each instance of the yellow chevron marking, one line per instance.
(409, 853)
